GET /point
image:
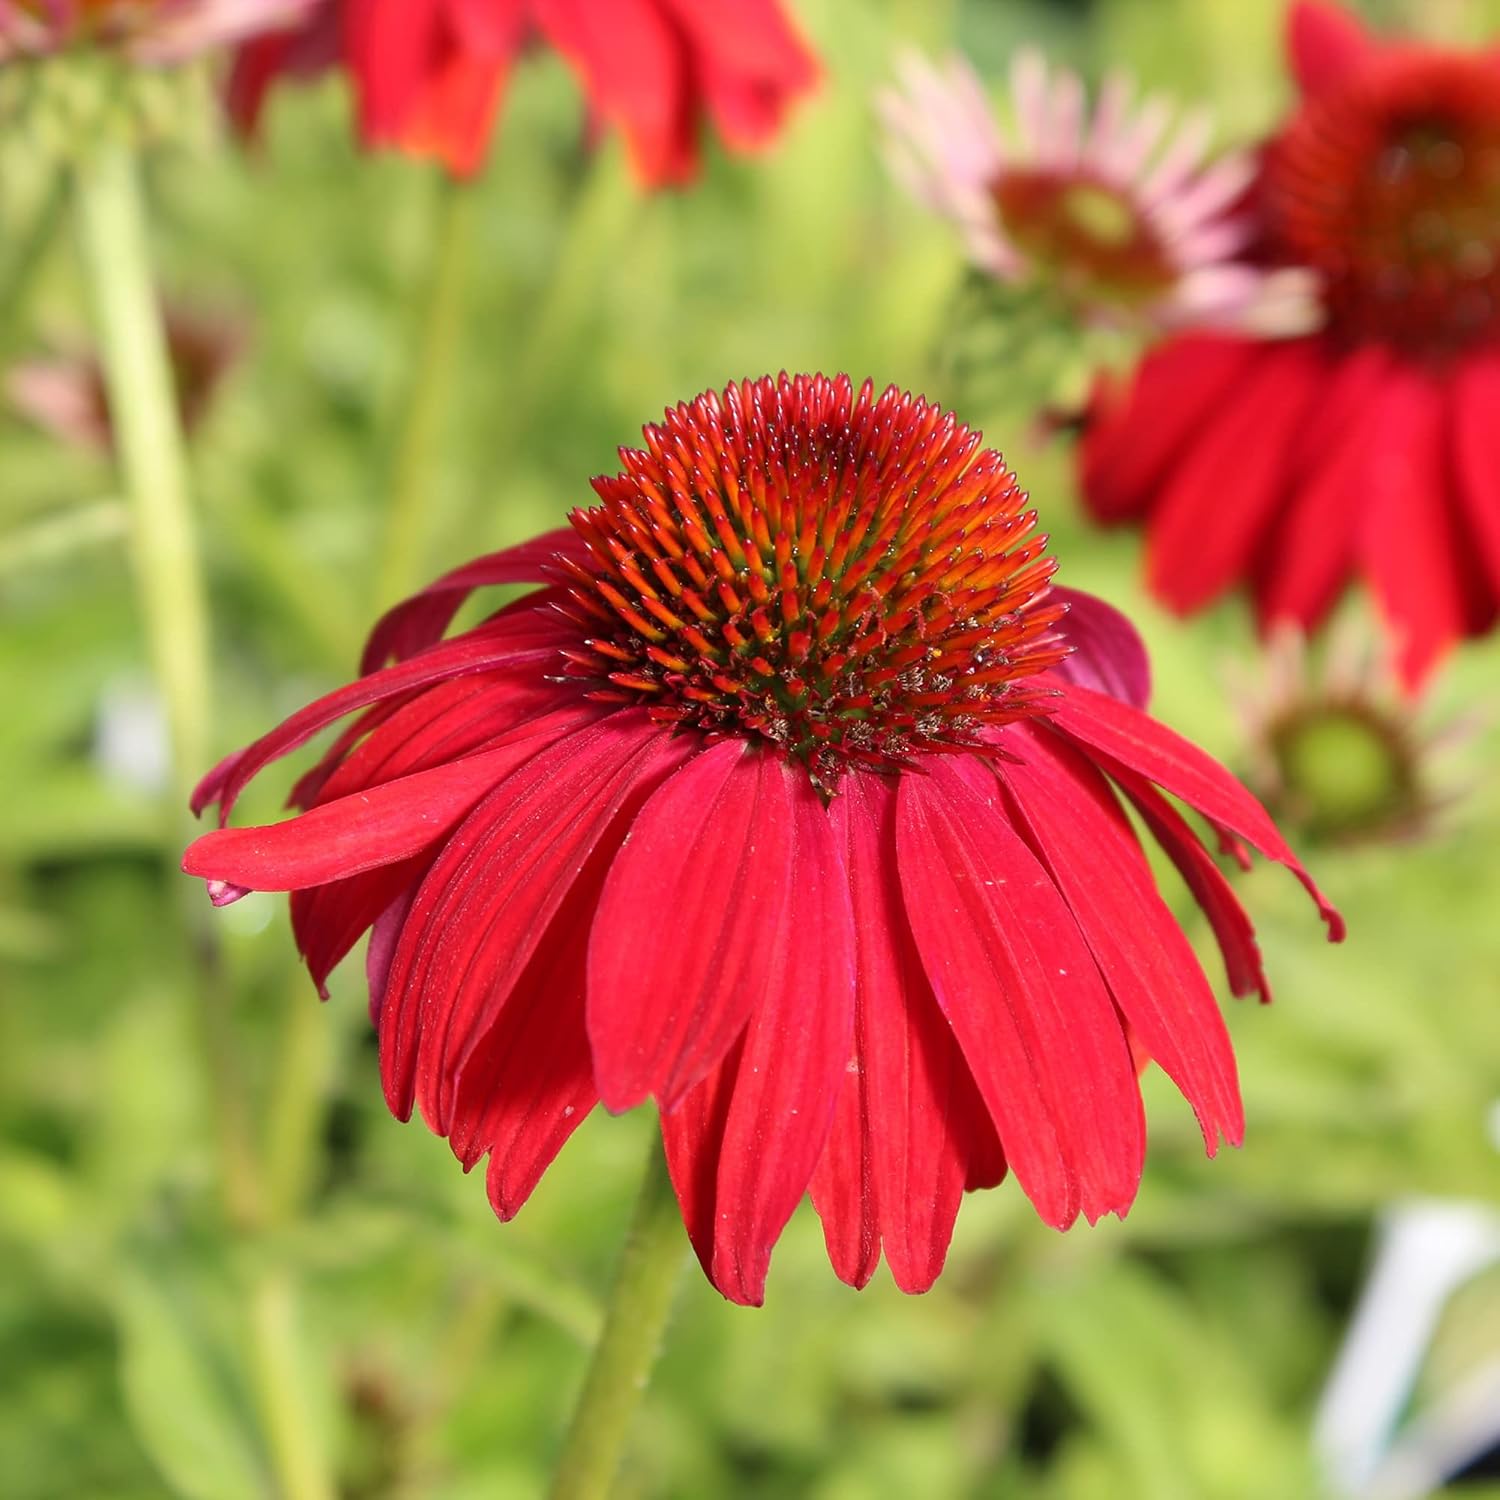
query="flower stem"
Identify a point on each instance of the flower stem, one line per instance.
(402, 547)
(280, 1390)
(143, 411)
(627, 1348)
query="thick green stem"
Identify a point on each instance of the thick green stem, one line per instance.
(627, 1348)
(402, 559)
(301, 1469)
(143, 411)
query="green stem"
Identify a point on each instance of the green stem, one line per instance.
(143, 411)
(627, 1348)
(301, 1470)
(295, 1113)
(401, 560)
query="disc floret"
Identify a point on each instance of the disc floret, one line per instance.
(852, 577)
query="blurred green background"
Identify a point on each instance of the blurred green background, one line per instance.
(432, 1351)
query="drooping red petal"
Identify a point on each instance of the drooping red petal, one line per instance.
(1325, 44)
(1108, 652)
(689, 936)
(328, 920)
(1342, 462)
(1078, 831)
(515, 640)
(1113, 732)
(377, 826)
(1134, 435)
(417, 622)
(392, 46)
(632, 62)
(1019, 987)
(1477, 457)
(910, 1128)
(491, 894)
(786, 1073)
(1411, 548)
(1232, 481)
(1205, 880)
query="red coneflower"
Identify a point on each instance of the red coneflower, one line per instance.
(1368, 448)
(783, 802)
(430, 74)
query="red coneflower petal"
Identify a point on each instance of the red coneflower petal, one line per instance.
(492, 893)
(1232, 480)
(1411, 552)
(1200, 872)
(1079, 832)
(1325, 43)
(1136, 434)
(1107, 728)
(328, 920)
(418, 622)
(766, 1120)
(1301, 573)
(1108, 652)
(518, 639)
(910, 1122)
(1019, 987)
(373, 827)
(689, 938)
(1477, 454)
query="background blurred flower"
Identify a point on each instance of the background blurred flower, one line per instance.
(1369, 448)
(149, 30)
(63, 393)
(1115, 206)
(784, 803)
(430, 74)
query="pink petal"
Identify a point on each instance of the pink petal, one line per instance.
(1078, 831)
(1325, 44)
(494, 890)
(417, 622)
(690, 932)
(1113, 733)
(786, 1074)
(910, 1121)
(1019, 987)
(1108, 652)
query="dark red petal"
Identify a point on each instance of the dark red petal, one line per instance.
(377, 826)
(1134, 436)
(1078, 831)
(520, 639)
(1113, 732)
(417, 622)
(1219, 500)
(491, 894)
(1343, 458)
(1412, 552)
(1025, 1000)
(1203, 877)
(911, 1126)
(1108, 652)
(632, 62)
(787, 1075)
(529, 1083)
(328, 920)
(690, 934)
(1325, 44)
(1477, 455)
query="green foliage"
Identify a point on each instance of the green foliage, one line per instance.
(432, 1351)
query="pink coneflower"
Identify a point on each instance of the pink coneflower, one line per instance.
(148, 30)
(1366, 449)
(430, 75)
(782, 802)
(1115, 206)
